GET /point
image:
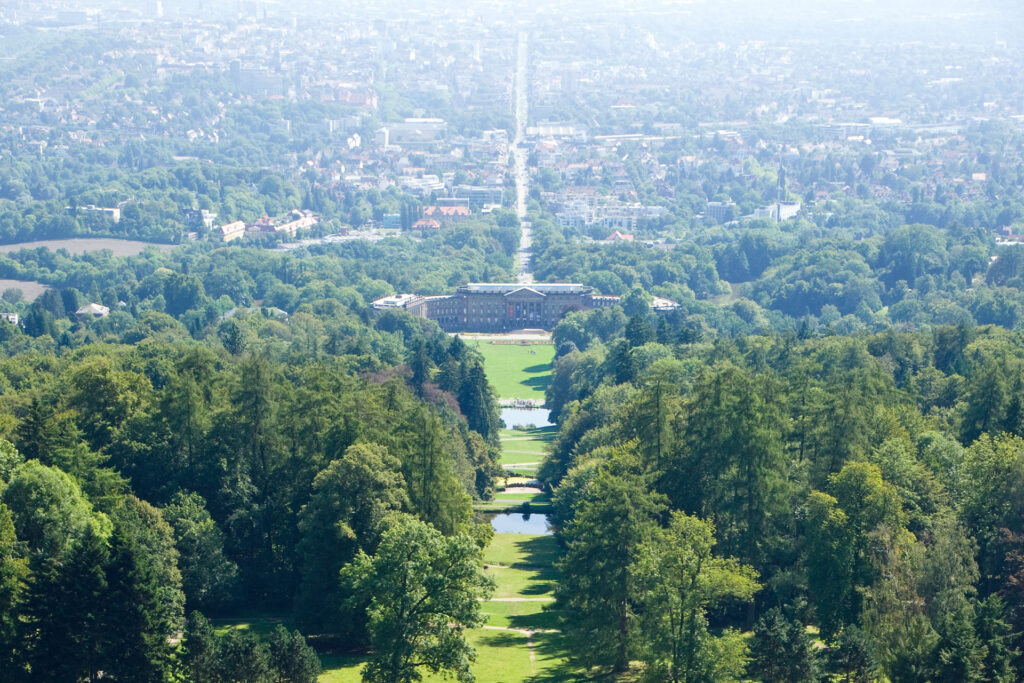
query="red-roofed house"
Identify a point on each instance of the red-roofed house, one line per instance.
(447, 214)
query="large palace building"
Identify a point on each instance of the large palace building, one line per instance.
(499, 307)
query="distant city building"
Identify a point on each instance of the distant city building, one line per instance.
(844, 131)
(721, 211)
(478, 196)
(256, 81)
(778, 212)
(453, 201)
(558, 131)
(92, 311)
(342, 125)
(447, 214)
(426, 224)
(497, 307)
(199, 218)
(299, 219)
(231, 231)
(416, 131)
(113, 213)
(618, 237)
(396, 301)
(581, 211)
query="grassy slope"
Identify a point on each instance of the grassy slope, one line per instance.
(517, 371)
(520, 446)
(513, 458)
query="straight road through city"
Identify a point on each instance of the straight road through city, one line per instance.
(522, 175)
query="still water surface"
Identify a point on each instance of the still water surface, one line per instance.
(518, 523)
(524, 417)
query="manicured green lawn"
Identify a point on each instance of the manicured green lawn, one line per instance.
(522, 583)
(525, 445)
(523, 552)
(517, 371)
(519, 458)
(531, 615)
(532, 497)
(261, 626)
(550, 659)
(512, 447)
(502, 657)
(342, 669)
(523, 472)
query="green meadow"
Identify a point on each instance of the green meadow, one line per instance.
(517, 371)
(525, 445)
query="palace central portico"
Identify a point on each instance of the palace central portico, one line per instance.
(499, 307)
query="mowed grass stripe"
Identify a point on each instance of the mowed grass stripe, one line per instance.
(519, 458)
(525, 445)
(528, 615)
(515, 446)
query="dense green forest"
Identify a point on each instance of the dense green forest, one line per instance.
(239, 430)
(765, 277)
(149, 472)
(854, 500)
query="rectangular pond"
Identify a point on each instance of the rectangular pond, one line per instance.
(525, 417)
(519, 523)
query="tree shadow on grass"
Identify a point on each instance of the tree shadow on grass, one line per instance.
(544, 620)
(329, 661)
(551, 646)
(538, 588)
(537, 369)
(540, 383)
(538, 552)
(538, 433)
(538, 556)
(259, 625)
(502, 639)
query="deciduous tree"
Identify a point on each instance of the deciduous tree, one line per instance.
(423, 590)
(614, 517)
(679, 580)
(351, 499)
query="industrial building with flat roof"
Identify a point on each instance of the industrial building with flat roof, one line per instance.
(503, 306)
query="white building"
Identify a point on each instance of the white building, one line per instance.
(92, 311)
(416, 131)
(231, 231)
(778, 212)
